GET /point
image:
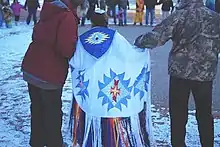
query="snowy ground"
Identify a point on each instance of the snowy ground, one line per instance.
(14, 100)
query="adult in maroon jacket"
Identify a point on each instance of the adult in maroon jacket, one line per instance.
(45, 68)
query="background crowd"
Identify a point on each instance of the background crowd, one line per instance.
(9, 11)
(116, 9)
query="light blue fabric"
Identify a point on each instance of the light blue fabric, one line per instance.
(103, 83)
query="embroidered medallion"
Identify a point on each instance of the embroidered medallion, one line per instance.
(115, 90)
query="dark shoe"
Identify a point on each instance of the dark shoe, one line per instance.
(134, 24)
(141, 24)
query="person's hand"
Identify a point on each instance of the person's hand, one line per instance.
(138, 42)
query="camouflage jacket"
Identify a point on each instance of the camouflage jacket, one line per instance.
(195, 32)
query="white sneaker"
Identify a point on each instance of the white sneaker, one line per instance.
(153, 25)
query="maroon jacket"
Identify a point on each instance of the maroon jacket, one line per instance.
(54, 40)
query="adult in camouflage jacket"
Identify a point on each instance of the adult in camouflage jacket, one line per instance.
(195, 32)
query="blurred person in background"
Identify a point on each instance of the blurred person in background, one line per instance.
(32, 6)
(166, 5)
(124, 4)
(5, 2)
(102, 4)
(92, 5)
(7, 16)
(121, 16)
(139, 12)
(150, 11)
(2, 3)
(16, 8)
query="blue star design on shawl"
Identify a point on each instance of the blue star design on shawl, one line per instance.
(83, 85)
(123, 89)
(141, 82)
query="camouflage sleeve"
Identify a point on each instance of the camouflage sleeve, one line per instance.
(160, 34)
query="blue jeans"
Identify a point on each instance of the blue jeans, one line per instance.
(113, 9)
(1, 19)
(152, 13)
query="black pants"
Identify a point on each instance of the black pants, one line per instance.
(46, 117)
(179, 96)
(120, 22)
(17, 18)
(32, 12)
(83, 20)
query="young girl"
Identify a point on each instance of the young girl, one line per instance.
(16, 8)
(107, 110)
(139, 12)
